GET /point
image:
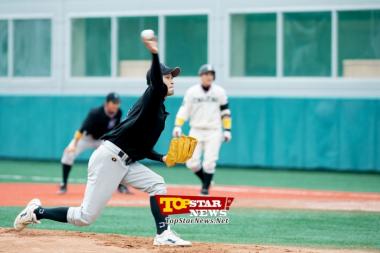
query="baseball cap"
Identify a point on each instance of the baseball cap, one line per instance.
(165, 70)
(113, 97)
(205, 69)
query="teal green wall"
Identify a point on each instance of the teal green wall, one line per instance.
(341, 134)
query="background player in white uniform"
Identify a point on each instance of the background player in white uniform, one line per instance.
(205, 105)
(98, 122)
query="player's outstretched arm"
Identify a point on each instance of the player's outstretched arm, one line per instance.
(151, 44)
(155, 156)
(182, 115)
(155, 73)
(73, 144)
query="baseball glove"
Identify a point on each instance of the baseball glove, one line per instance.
(180, 150)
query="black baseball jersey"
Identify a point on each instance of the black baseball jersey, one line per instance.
(98, 122)
(140, 131)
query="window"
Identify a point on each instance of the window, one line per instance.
(133, 57)
(186, 42)
(3, 48)
(31, 47)
(91, 47)
(359, 43)
(253, 45)
(307, 44)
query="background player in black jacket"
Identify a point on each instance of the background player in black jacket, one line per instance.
(98, 122)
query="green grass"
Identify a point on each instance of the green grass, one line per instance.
(32, 171)
(278, 227)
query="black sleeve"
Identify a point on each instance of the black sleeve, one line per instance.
(156, 75)
(88, 122)
(153, 155)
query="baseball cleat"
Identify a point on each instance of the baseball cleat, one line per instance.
(204, 192)
(62, 189)
(169, 237)
(27, 216)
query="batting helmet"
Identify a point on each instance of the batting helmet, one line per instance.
(206, 68)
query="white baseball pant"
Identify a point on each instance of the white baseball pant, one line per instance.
(106, 170)
(209, 142)
(84, 143)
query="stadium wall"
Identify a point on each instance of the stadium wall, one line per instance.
(332, 133)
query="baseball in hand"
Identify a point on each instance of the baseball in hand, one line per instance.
(147, 34)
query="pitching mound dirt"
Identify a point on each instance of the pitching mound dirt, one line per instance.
(31, 240)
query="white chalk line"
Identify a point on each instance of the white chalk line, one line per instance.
(225, 188)
(39, 178)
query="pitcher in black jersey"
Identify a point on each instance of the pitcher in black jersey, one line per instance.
(117, 161)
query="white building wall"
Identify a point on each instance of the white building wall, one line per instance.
(60, 82)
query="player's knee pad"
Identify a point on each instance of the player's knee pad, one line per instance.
(193, 165)
(209, 167)
(87, 220)
(158, 187)
(68, 158)
(77, 217)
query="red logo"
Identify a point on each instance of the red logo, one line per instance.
(175, 204)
